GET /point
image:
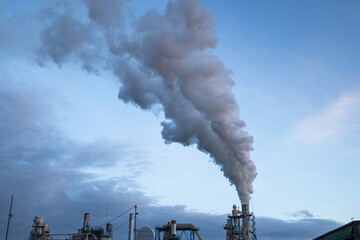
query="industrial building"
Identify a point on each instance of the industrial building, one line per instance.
(350, 231)
(41, 231)
(171, 230)
(240, 225)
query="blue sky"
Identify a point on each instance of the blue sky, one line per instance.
(296, 69)
(297, 66)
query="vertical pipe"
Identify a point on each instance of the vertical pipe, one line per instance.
(131, 226)
(107, 210)
(173, 228)
(10, 216)
(245, 222)
(86, 222)
(135, 230)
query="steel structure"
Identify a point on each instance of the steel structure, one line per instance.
(241, 224)
(182, 228)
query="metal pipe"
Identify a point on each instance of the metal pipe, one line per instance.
(131, 226)
(135, 230)
(245, 222)
(62, 234)
(86, 221)
(87, 236)
(253, 235)
(10, 216)
(173, 228)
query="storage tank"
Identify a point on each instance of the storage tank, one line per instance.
(145, 233)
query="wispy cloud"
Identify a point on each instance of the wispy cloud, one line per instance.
(306, 228)
(337, 120)
(303, 214)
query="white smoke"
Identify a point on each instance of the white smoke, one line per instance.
(162, 61)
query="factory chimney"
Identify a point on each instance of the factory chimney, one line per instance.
(131, 226)
(245, 228)
(86, 222)
(173, 228)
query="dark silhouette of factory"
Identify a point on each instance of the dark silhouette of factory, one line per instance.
(240, 225)
(350, 231)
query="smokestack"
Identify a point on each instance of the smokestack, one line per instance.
(131, 226)
(245, 208)
(245, 228)
(173, 228)
(86, 222)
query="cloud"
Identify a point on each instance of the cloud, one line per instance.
(52, 175)
(337, 120)
(271, 228)
(17, 40)
(303, 214)
(59, 179)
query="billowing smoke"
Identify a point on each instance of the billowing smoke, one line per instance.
(162, 61)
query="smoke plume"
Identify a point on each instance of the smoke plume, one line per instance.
(162, 61)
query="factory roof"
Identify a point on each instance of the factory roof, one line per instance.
(347, 231)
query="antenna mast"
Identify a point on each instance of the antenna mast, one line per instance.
(10, 216)
(107, 211)
(136, 213)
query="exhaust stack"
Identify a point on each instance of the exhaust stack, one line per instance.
(240, 225)
(86, 222)
(131, 226)
(245, 228)
(173, 228)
